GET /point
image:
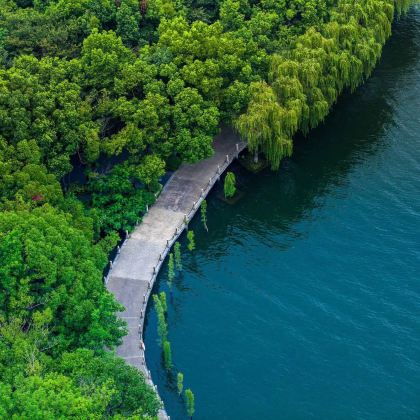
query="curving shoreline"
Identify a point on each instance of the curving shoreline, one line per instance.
(137, 265)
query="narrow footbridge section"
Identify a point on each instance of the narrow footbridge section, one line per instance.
(135, 269)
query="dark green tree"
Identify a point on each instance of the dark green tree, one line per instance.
(48, 269)
(130, 393)
(128, 19)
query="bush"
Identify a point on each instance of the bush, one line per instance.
(230, 185)
(120, 201)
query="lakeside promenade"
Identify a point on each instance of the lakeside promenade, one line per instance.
(134, 271)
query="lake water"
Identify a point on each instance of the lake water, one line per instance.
(303, 299)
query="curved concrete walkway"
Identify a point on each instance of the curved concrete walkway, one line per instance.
(135, 269)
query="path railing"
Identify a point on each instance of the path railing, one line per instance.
(187, 217)
(169, 243)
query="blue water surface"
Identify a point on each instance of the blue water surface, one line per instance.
(303, 299)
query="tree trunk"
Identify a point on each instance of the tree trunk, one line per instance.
(256, 156)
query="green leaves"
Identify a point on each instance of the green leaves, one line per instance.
(53, 120)
(196, 123)
(103, 56)
(33, 385)
(306, 79)
(191, 240)
(160, 307)
(56, 396)
(171, 270)
(119, 201)
(147, 83)
(129, 390)
(51, 268)
(150, 169)
(229, 186)
(128, 19)
(189, 402)
(267, 126)
(180, 382)
(167, 355)
(203, 212)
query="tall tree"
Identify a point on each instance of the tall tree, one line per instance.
(52, 271)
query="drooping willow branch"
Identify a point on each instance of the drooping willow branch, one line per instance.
(306, 80)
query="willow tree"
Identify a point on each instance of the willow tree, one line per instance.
(191, 240)
(229, 187)
(305, 80)
(171, 271)
(180, 383)
(167, 355)
(266, 125)
(284, 79)
(402, 6)
(189, 402)
(162, 326)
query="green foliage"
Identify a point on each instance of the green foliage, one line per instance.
(3, 51)
(171, 270)
(167, 355)
(129, 390)
(81, 384)
(203, 211)
(53, 396)
(128, 19)
(403, 5)
(229, 186)
(189, 402)
(48, 269)
(119, 88)
(207, 60)
(150, 169)
(103, 56)
(52, 123)
(161, 309)
(306, 79)
(178, 257)
(162, 325)
(119, 201)
(180, 383)
(274, 140)
(23, 352)
(24, 182)
(191, 240)
(162, 298)
(190, 110)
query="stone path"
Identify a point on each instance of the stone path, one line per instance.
(135, 269)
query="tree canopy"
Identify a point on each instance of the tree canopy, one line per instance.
(51, 271)
(99, 99)
(305, 80)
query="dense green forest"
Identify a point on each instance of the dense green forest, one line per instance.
(98, 99)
